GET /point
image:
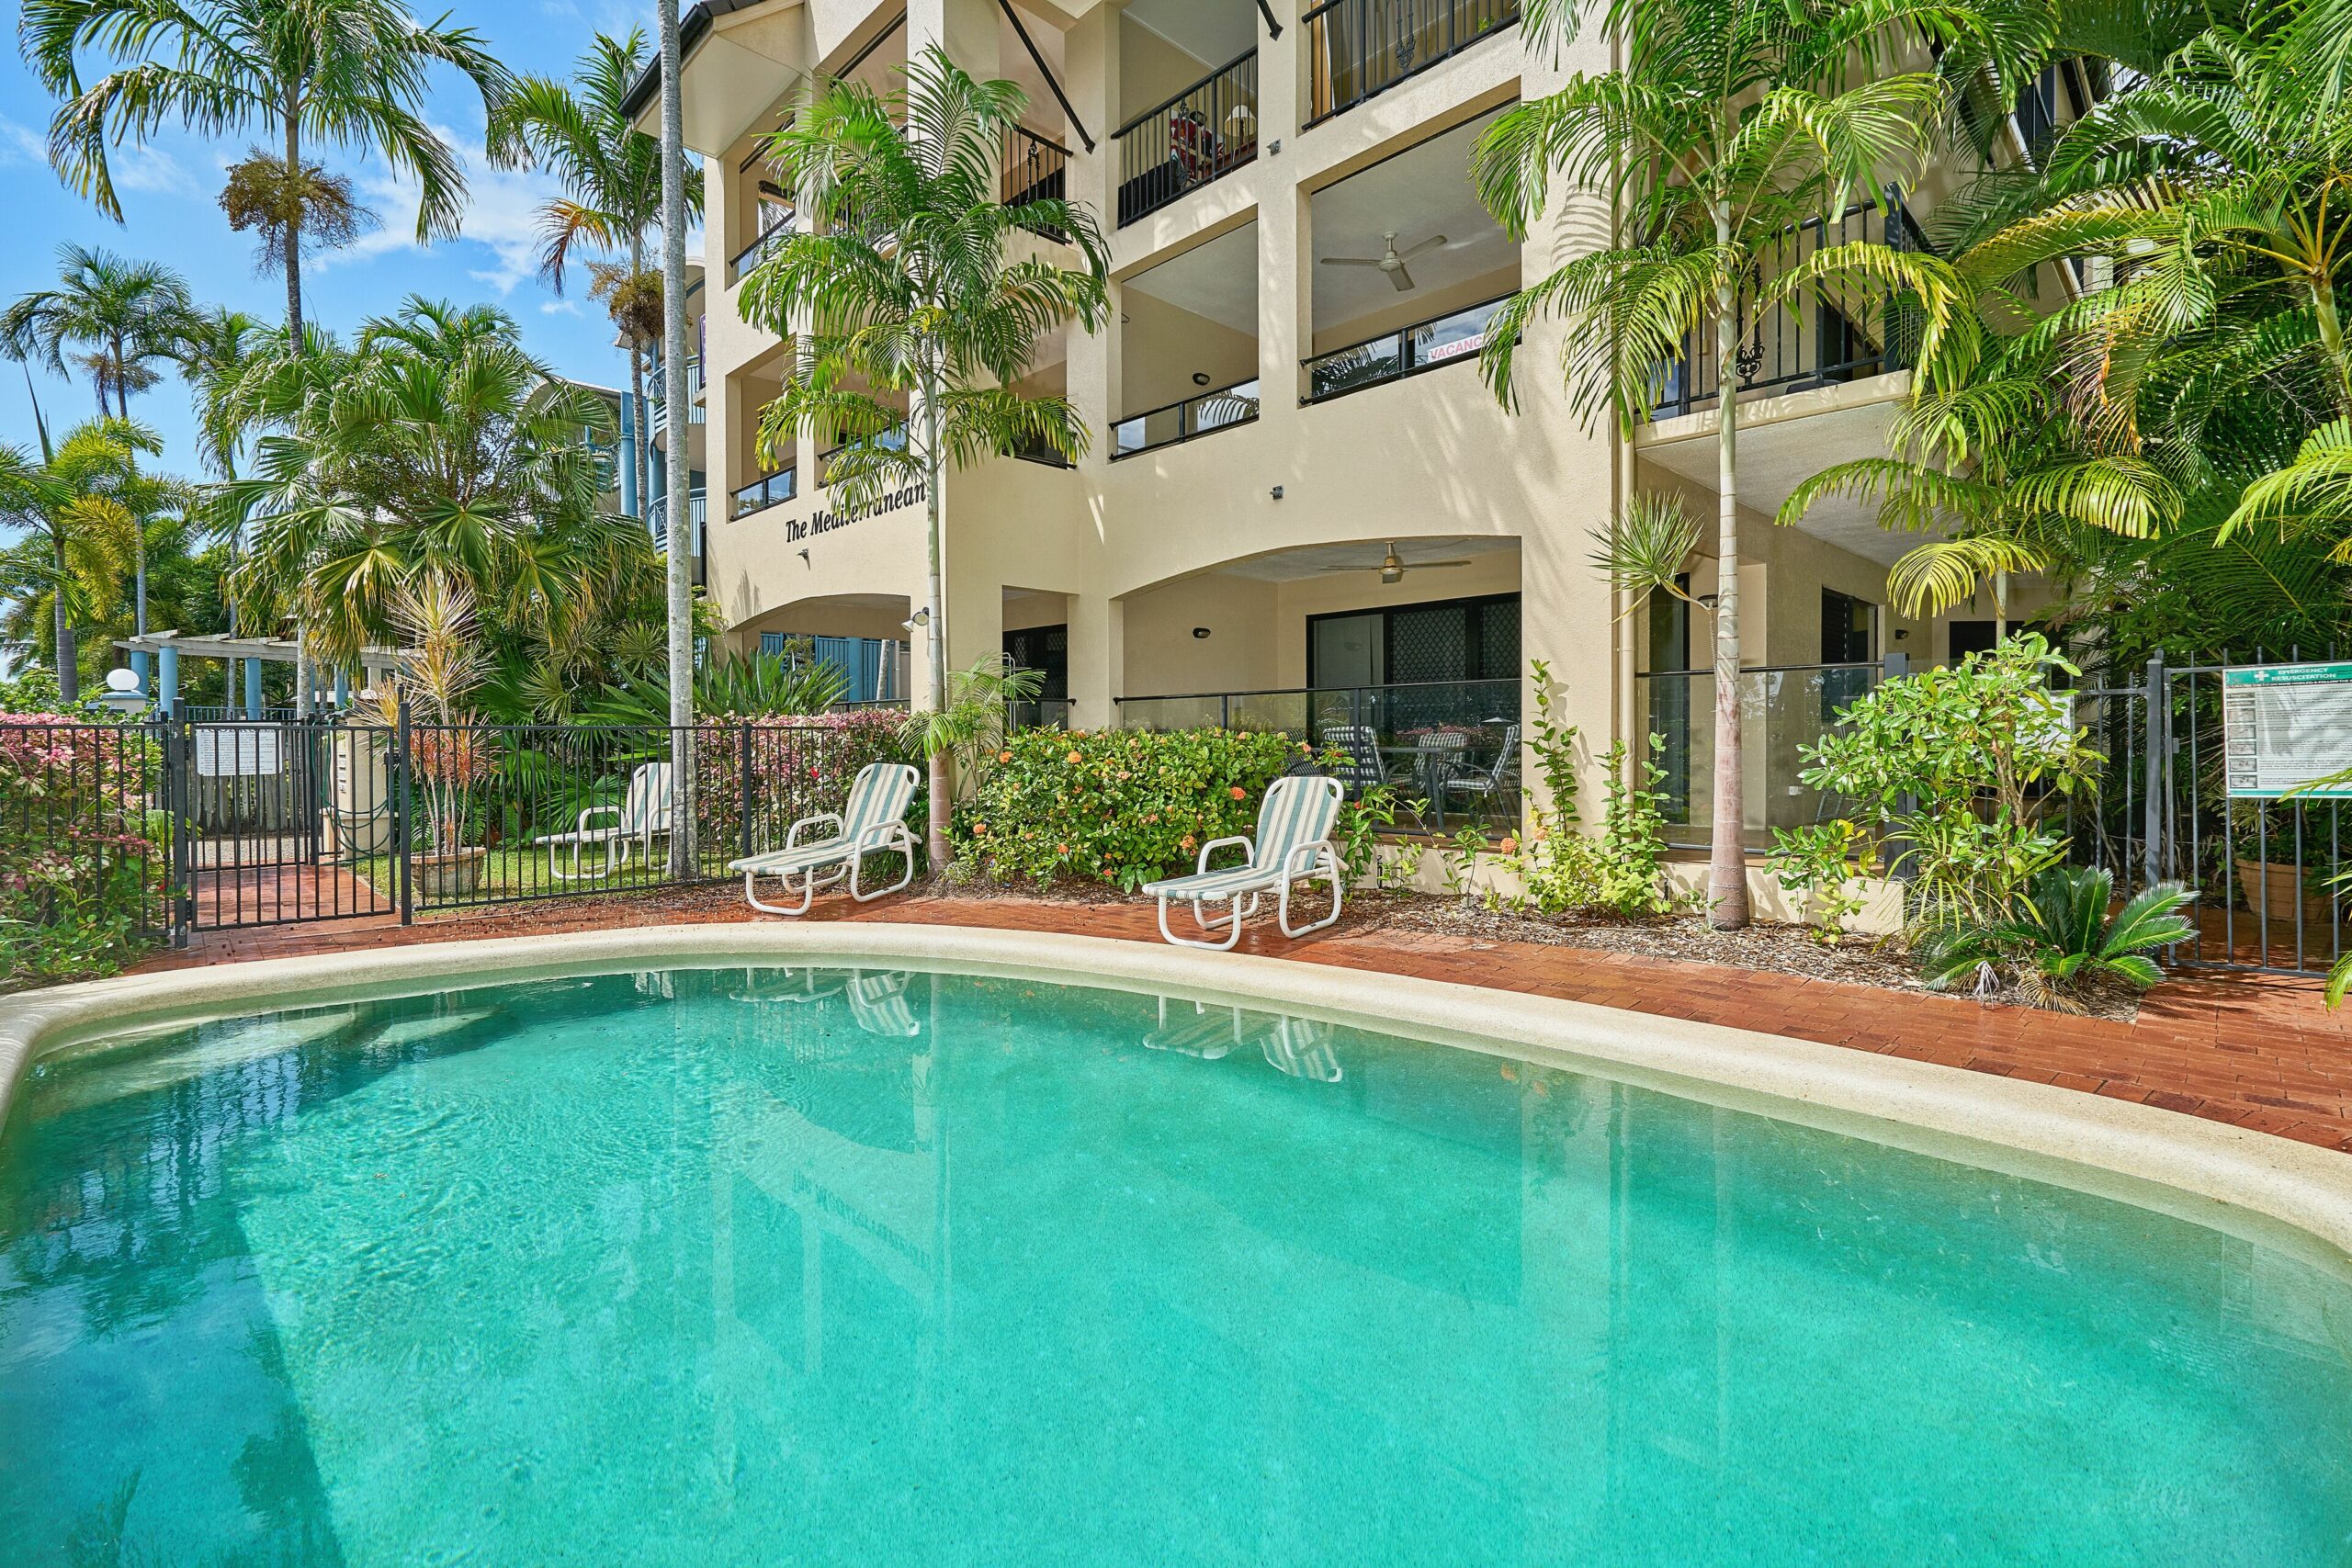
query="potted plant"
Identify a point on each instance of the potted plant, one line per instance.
(448, 752)
(2277, 890)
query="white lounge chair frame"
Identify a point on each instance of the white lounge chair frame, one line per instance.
(642, 817)
(1293, 845)
(872, 822)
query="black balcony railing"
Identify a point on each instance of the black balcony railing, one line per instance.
(1203, 133)
(1453, 338)
(1453, 745)
(1036, 169)
(1358, 49)
(893, 439)
(770, 490)
(753, 255)
(1827, 334)
(1181, 422)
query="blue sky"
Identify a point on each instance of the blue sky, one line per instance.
(170, 197)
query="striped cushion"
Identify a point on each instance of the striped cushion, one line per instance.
(879, 797)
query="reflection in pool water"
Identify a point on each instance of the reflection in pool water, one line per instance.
(859, 1267)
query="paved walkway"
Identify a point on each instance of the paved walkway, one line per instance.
(2255, 1050)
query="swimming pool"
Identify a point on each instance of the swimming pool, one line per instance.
(879, 1264)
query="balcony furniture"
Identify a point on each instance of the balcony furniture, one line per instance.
(872, 823)
(1365, 768)
(1492, 782)
(1437, 755)
(1201, 134)
(1293, 844)
(642, 817)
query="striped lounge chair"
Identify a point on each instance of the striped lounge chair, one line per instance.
(872, 823)
(1294, 845)
(642, 817)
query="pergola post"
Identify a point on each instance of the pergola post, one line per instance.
(167, 692)
(252, 689)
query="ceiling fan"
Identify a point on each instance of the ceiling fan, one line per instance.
(1392, 566)
(1391, 260)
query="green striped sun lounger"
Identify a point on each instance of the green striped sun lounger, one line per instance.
(872, 823)
(1294, 845)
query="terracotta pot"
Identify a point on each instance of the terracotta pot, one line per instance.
(2275, 889)
(456, 875)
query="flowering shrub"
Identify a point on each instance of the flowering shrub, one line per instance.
(798, 766)
(1122, 805)
(81, 877)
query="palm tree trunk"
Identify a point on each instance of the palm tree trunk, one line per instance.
(678, 526)
(1727, 851)
(935, 637)
(640, 454)
(69, 677)
(294, 228)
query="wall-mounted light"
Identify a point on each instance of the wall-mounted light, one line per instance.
(1200, 634)
(1276, 492)
(1901, 634)
(804, 561)
(920, 618)
(1200, 378)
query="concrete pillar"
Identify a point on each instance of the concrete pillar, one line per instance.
(1090, 58)
(252, 688)
(1097, 660)
(167, 682)
(968, 30)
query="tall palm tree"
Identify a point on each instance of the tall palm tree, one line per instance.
(126, 317)
(215, 350)
(677, 582)
(76, 506)
(1729, 124)
(611, 175)
(902, 287)
(349, 72)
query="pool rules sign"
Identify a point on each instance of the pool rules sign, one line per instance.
(2284, 726)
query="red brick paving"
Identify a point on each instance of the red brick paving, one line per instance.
(2255, 1049)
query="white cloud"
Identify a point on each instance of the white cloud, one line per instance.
(21, 144)
(558, 307)
(502, 213)
(150, 169)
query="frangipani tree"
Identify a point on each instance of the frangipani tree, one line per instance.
(1727, 124)
(903, 282)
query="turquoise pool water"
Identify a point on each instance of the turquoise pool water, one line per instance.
(834, 1267)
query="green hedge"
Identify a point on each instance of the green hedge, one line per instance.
(1121, 806)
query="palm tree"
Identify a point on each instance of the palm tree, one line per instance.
(125, 316)
(76, 506)
(1727, 124)
(612, 182)
(433, 443)
(215, 350)
(350, 73)
(901, 287)
(678, 586)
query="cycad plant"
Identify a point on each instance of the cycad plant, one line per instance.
(2059, 943)
(912, 278)
(611, 175)
(1726, 125)
(352, 74)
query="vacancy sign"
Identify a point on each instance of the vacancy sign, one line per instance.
(2286, 726)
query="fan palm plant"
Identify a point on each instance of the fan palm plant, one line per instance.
(349, 72)
(611, 175)
(433, 443)
(1727, 125)
(906, 286)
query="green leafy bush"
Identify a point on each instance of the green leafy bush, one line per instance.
(1121, 806)
(2060, 943)
(1948, 772)
(799, 767)
(1562, 869)
(79, 860)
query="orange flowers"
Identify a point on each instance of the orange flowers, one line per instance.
(1004, 756)
(1240, 793)
(1510, 846)
(1074, 759)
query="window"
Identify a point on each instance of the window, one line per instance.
(1849, 628)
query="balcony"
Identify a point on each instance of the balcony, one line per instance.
(891, 440)
(1201, 135)
(1833, 335)
(753, 255)
(1179, 423)
(769, 489)
(657, 520)
(1034, 169)
(1358, 49)
(1783, 709)
(1450, 339)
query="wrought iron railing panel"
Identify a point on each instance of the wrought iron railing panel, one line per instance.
(1358, 49)
(1201, 134)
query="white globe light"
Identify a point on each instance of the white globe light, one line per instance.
(123, 680)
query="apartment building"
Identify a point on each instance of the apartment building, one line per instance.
(1302, 506)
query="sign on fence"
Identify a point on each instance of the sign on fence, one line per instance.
(2284, 726)
(236, 752)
